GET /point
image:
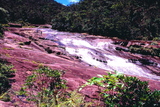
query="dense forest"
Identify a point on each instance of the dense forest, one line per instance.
(32, 11)
(3, 19)
(126, 19)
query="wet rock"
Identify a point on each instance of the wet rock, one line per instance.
(27, 43)
(136, 46)
(121, 43)
(99, 60)
(77, 71)
(142, 44)
(143, 62)
(45, 26)
(58, 53)
(147, 62)
(104, 61)
(15, 25)
(122, 49)
(124, 43)
(48, 50)
(77, 57)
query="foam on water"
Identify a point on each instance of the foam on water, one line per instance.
(90, 51)
(75, 42)
(114, 63)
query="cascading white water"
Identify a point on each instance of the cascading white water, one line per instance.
(99, 54)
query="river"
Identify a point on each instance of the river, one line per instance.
(100, 52)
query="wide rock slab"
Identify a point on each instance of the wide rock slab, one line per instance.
(27, 48)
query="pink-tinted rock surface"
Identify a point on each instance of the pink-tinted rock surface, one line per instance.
(26, 48)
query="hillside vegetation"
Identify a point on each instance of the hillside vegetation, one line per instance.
(3, 19)
(126, 19)
(32, 11)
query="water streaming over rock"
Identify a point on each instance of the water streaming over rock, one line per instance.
(99, 52)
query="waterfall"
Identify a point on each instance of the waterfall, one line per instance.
(100, 53)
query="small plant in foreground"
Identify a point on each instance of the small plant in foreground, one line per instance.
(125, 91)
(46, 88)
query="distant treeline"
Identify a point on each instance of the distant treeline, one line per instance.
(32, 11)
(126, 19)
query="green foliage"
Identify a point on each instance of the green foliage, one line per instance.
(145, 50)
(46, 88)
(5, 97)
(156, 38)
(1, 31)
(125, 91)
(131, 19)
(3, 15)
(6, 72)
(3, 19)
(74, 99)
(32, 11)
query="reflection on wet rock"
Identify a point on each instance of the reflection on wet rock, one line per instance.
(104, 53)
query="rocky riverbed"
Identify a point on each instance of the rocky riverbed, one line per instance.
(80, 55)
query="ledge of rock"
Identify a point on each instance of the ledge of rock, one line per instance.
(15, 25)
(24, 48)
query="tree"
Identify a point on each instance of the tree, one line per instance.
(32, 11)
(131, 19)
(3, 15)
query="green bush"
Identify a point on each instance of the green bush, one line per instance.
(46, 88)
(44, 85)
(145, 51)
(125, 91)
(6, 73)
(4, 83)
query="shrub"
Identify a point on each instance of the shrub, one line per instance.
(46, 88)
(5, 73)
(125, 91)
(4, 83)
(145, 50)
